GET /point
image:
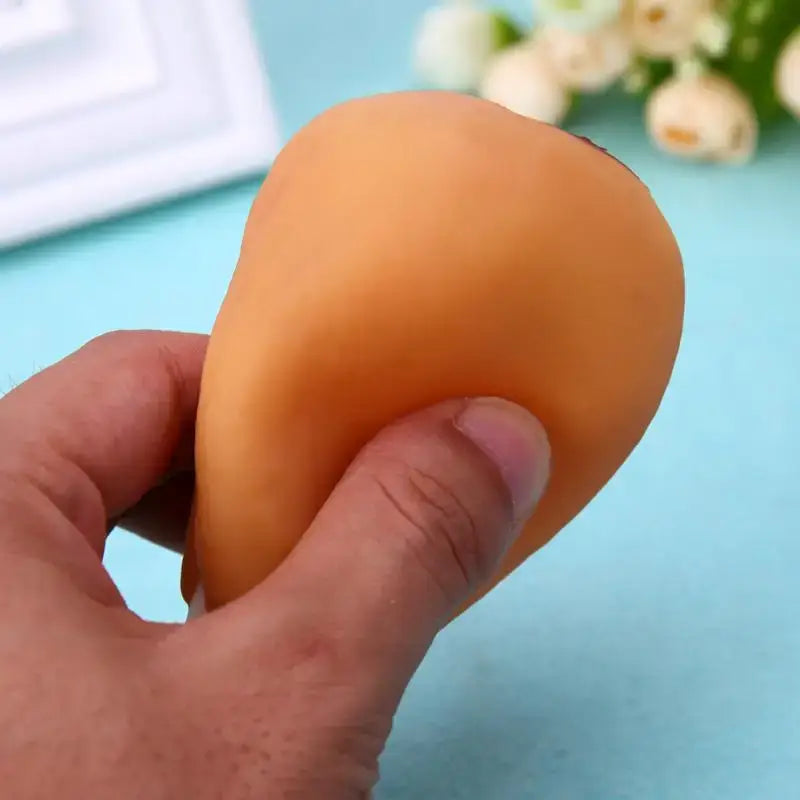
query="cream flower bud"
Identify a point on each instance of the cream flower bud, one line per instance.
(454, 43)
(668, 28)
(787, 74)
(522, 79)
(577, 15)
(586, 61)
(704, 117)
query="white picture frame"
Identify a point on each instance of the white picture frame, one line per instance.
(106, 107)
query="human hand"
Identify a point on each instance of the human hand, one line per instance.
(289, 691)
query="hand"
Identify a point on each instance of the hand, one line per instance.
(289, 691)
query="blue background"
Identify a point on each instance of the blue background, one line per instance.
(653, 649)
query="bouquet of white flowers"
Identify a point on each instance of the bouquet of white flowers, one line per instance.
(712, 73)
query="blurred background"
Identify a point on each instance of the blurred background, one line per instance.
(652, 650)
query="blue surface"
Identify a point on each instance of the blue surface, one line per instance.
(653, 649)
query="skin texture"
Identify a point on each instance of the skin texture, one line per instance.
(288, 693)
(411, 248)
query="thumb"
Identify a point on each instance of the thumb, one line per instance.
(422, 517)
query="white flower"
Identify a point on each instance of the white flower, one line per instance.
(787, 74)
(454, 44)
(704, 117)
(577, 15)
(586, 61)
(522, 79)
(668, 28)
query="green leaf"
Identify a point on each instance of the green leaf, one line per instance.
(759, 29)
(654, 71)
(507, 32)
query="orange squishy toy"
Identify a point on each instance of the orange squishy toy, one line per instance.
(406, 249)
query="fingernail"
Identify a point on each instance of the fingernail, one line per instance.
(516, 442)
(198, 605)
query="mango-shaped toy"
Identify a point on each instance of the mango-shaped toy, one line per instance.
(410, 248)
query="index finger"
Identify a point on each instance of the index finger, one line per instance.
(98, 429)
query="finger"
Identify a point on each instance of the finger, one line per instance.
(162, 515)
(422, 518)
(97, 430)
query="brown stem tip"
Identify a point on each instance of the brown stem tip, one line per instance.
(602, 149)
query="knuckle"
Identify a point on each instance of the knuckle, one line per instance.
(138, 364)
(122, 352)
(435, 527)
(128, 350)
(114, 340)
